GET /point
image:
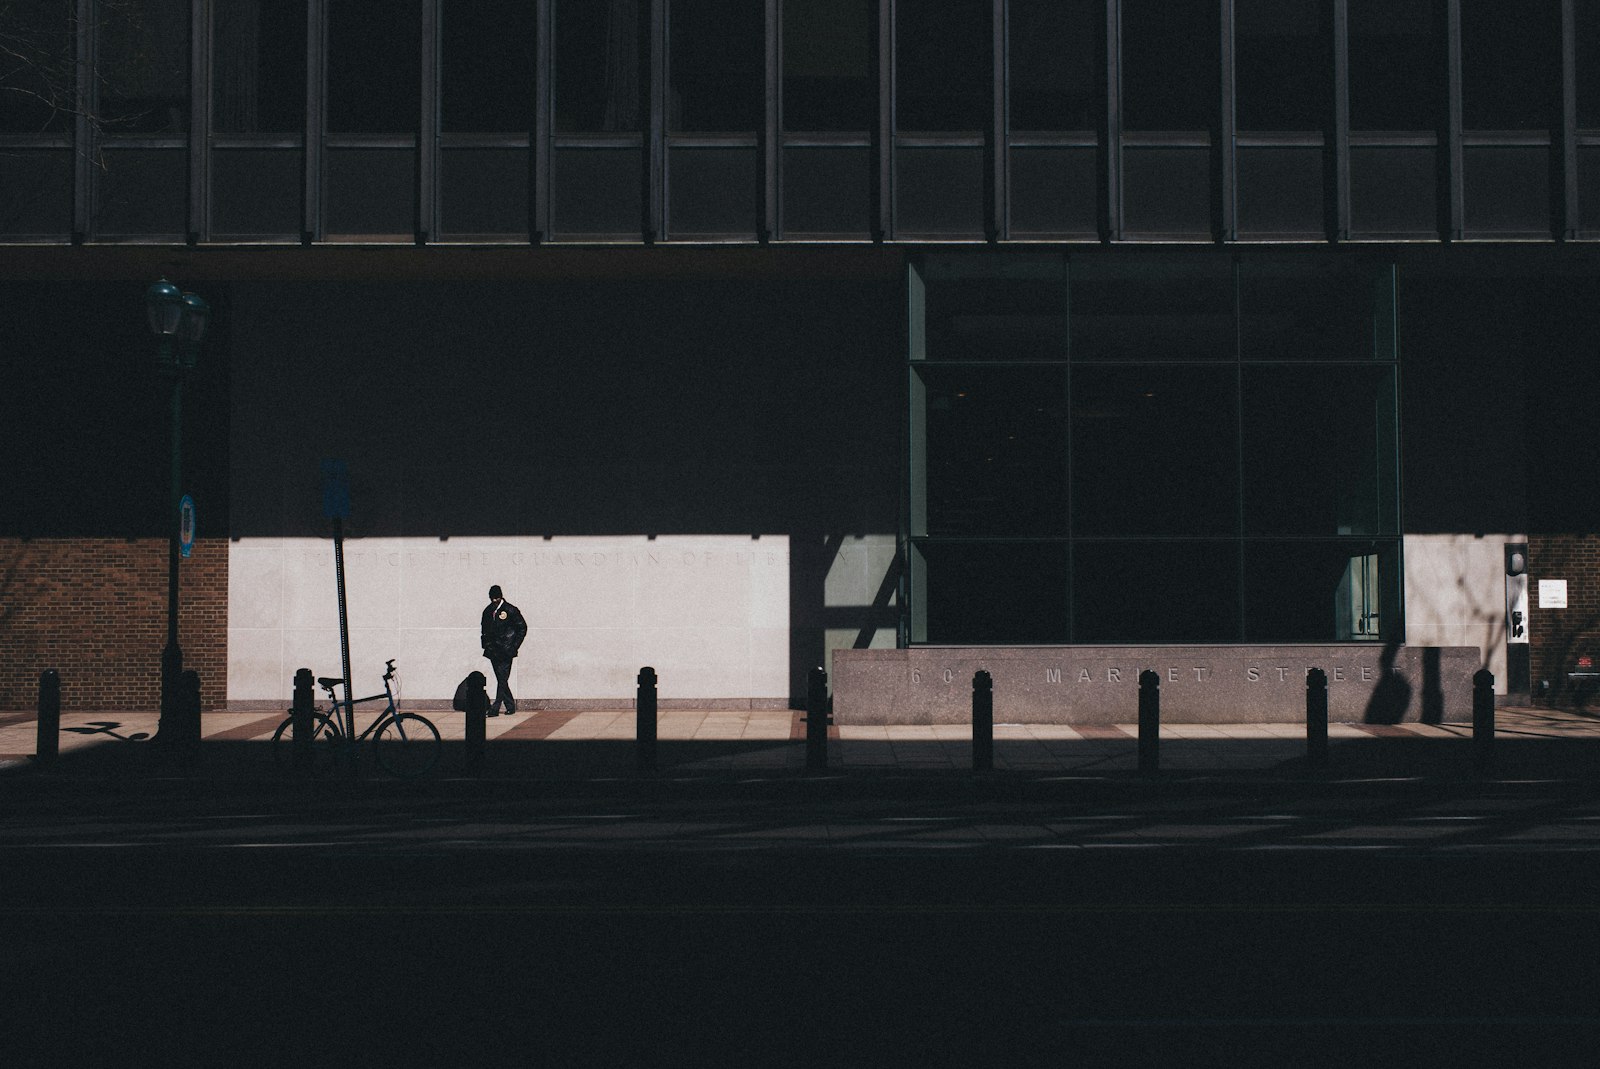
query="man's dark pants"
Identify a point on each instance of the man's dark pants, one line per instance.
(502, 690)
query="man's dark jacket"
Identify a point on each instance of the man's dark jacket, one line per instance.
(503, 631)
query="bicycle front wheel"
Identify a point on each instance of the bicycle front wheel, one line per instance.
(407, 745)
(325, 736)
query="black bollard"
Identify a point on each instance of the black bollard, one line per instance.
(1483, 720)
(1149, 722)
(1316, 718)
(645, 721)
(187, 704)
(817, 720)
(477, 714)
(301, 725)
(982, 722)
(49, 742)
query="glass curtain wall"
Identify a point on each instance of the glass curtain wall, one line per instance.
(602, 69)
(258, 117)
(1109, 450)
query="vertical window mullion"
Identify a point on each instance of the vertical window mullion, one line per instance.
(1227, 185)
(428, 128)
(1339, 143)
(543, 122)
(1453, 199)
(1567, 140)
(883, 206)
(998, 226)
(83, 174)
(316, 114)
(1112, 151)
(771, 154)
(200, 51)
(655, 200)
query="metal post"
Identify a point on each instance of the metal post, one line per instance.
(477, 714)
(44, 751)
(817, 720)
(1483, 720)
(982, 722)
(167, 727)
(302, 724)
(1316, 718)
(188, 707)
(644, 731)
(1149, 722)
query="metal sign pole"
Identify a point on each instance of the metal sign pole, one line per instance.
(344, 628)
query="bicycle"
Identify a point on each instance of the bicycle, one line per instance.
(405, 744)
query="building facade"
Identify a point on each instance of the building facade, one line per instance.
(727, 333)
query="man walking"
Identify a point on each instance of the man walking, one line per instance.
(503, 632)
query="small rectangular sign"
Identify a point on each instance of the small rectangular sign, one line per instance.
(1552, 593)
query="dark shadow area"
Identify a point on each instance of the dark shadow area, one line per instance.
(517, 766)
(1392, 696)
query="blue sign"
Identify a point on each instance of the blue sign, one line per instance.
(335, 489)
(186, 525)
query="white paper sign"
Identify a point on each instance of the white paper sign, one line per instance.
(1552, 593)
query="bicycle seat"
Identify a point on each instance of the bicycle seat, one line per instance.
(330, 683)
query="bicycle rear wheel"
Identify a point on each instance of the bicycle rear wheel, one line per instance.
(325, 736)
(407, 745)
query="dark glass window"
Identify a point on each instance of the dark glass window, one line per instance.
(939, 191)
(259, 67)
(36, 191)
(1054, 190)
(1510, 65)
(256, 192)
(600, 66)
(1006, 308)
(1280, 191)
(713, 191)
(827, 64)
(1155, 450)
(943, 76)
(996, 451)
(1396, 65)
(1301, 310)
(374, 67)
(37, 67)
(994, 592)
(144, 67)
(1283, 65)
(1394, 190)
(827, 191)
(718, 50)
(1057, 64)
(1588, 63)
(1333, 591)
(1153, 311)
(596, 192)
(143, 191)
(1319, 450)
(1171, 65)
(486, 67)
(483, 191)
(371, 192)
(1506, 189)
(1155, 592)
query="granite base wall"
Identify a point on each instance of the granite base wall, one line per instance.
(1199, 684)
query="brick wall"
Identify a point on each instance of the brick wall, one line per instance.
(95, 609)
(1556, 637)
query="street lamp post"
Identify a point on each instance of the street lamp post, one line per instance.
(178, 320)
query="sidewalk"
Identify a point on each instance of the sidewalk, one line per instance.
(1542, 743)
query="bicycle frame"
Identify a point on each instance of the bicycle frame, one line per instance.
(347, 722)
